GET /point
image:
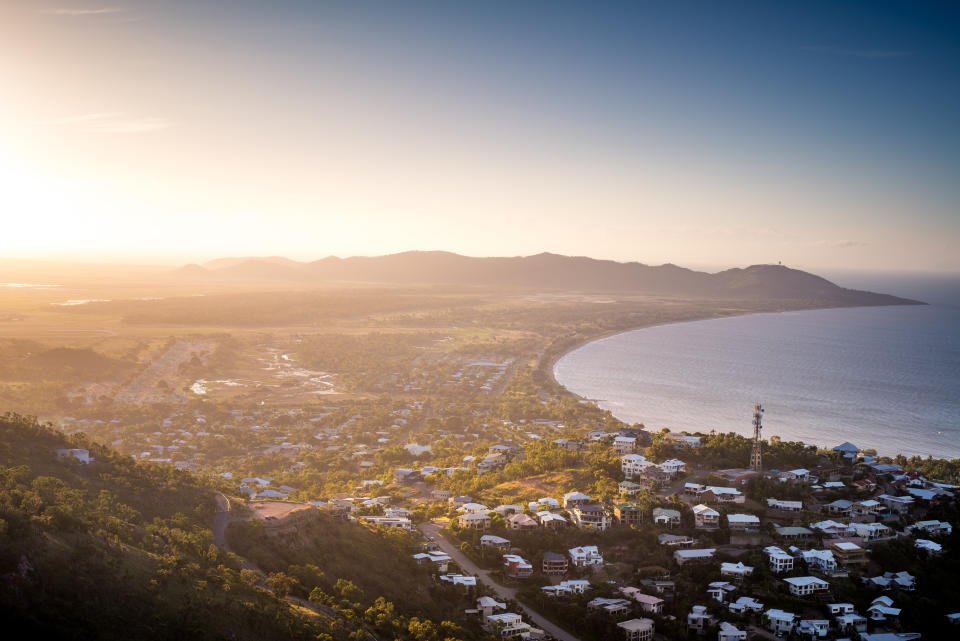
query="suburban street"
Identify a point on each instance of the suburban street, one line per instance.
(431, 529)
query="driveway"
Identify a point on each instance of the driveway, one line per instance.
(431, 529)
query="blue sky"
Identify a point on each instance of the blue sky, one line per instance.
(823, 134)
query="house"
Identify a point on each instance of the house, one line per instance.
(460, 579)
(673, 466)
(730, 632)
(521, 522)
(516, 567)
(439, 559)
(932, 527)
(813, 628)
(576, 586)
(716, 494)
(780, 561)
(486, 606)
(718, 590)
(551, 520)
(593, 516)
(698, 619)
(613, 607)
(850, 622)
(405, 475)
(892, 580)
(495, 542)
(871, 531)
(745, 603)
(930, 546)
(833, 528)
(694, 555)
(780, 622)
(473, 508)
(863, 509)
(585, 555)
(511, 626)
(633, 464)
(683, 439)
(624, 444)
(554, 564)
(506, 510)
(440, 495)
(401, 523)
(793, 533)
(77, 454)
(896, 504)
(737, 476)
(848, 553)
(675, 540)
(648, 603)
(706, 518)
(820, 561)
(664, 517)
(881, 609)
(847, 450)
(474, 521)
(571, 499)
(743, 522)
(637, 629)
(628, 514)
(736, 570)
(629, 488)
(785, 506)
(457, 501)
(840, 507)
(800, 475)
(806, 585)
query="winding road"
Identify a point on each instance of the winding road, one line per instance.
(432, 530)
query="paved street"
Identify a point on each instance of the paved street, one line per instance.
(433, 530)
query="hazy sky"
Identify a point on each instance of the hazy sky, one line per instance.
(822, 134)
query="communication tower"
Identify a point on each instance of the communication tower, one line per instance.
(756, 462)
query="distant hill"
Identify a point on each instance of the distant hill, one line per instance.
(545, 271)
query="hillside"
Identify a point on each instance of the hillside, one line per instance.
(545, 271)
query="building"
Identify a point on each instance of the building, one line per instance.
(932, 527)
(785, 506)
(705, 517)
(673, 466)
(683, 439)
(694, 555)
(633, 464)
(806, 585)
(521, 522)
(871, 531)
(585, 555)
(511, 626)
(474, 521)
(737, 476)
(820, 561)
(730, 632)
(592, 516)
(624, 444)
(698, 619)
(848, 554)
(629, 488)
(516, 567)
(572, 499)
(780, 622)
(628, 514)
(613, 607)
(745, 603)
(637, 629)
(664, 517)
(813, 628)
(554, 564)
(737, 571)
(743, 522)
(551, 520)
(718, 590)
(648, 603)
(495, 542)
(780, 561)
(77, 454)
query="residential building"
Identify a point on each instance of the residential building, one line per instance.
(745, 603)
(516, 567)
(737, 476)
(629, 488)
(648, 603)
(737, 571)
(673, 466)
(806, 585)
(730, 632)
(554, 564)
(705, 517)
(474, 521)
(820, 561)
(780, 622)
(613, 607)
(848, 554)
(521, 522)
(632, 464)
(585, 555)
(932, 527)
(683, 439)
(718, 590)
(510, 626)
(698, 619)
(871, 531)
(495, 542)
(743, 522)
(693, 555)
(551, 520)
(571, 499)
(785, 506)
(592, 516)
(637, 629)
(77, 454)
(664, 517)
(780, 561)
(813, 628)
(624, 444)
(628, 514)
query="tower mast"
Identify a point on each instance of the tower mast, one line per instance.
(756, 462)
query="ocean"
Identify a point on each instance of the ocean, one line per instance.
(886, 378)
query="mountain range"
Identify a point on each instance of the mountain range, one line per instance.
(541, 271)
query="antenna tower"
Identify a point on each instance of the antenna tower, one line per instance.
(756, 463)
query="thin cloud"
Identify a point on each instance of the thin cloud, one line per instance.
(74, 13)
(112, 122)
(841, 244)
(867, 54)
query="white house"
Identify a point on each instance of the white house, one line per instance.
(705, 517)
(736, 570)
(585, 555)
(76, 454)
(743, 522)
(806, 585)
(813, 628)
(745, 603)
(673, 466)
(624, 444)
(495, 542)
(571, 499)
(718, 590)
(780, 622)
(700, 554)
(698, 619)
(820, 560)
(780, 561)
(730, 632)
(785, 506)
(632, 464)
(637, 629)
(648, 603)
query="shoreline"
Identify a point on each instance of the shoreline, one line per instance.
(581, 342)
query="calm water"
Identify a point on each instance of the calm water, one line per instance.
(882, 377)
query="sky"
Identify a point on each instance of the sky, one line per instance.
(825, 135)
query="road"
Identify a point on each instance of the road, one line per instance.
(221, 519)
(431, 529)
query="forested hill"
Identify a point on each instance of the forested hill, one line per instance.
(544, 271)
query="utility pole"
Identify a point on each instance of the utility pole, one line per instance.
(756, 462)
